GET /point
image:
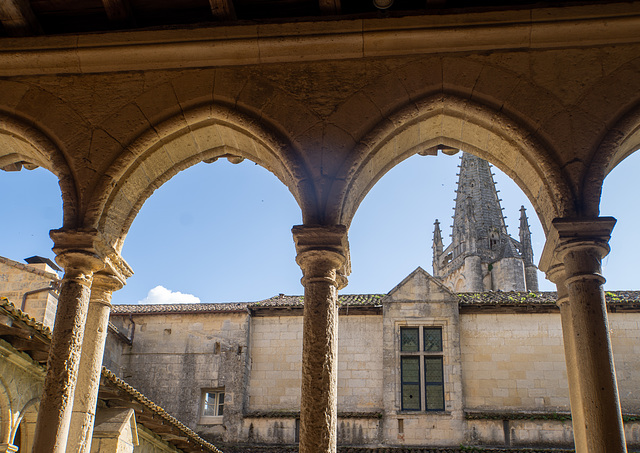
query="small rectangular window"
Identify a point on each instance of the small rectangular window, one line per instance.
(213, 405)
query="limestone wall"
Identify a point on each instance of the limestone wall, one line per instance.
(18, 278)
(116, 346)
(516, 361)
(625, 341)
(513, 362)
(276, 355)
(176, 357)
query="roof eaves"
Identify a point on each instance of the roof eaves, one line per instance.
(146, 402)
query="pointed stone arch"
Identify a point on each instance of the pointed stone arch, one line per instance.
(26, 421)
(204, 133)
(24, 144)
(622, 140)
(459, 124)
(6, 413)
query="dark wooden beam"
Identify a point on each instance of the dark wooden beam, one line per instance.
(119, 12)
(330, 7)
(222, 9)
(14, 332)
(22, 344)
(18, 18)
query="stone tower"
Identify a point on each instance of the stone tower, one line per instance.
(482, 256)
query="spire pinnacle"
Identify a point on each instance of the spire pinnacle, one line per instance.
(525, 237)
(438, 246)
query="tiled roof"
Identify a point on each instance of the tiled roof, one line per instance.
(280, 301)
(148, 413)
(178, 308)
(507, 298)
(618, 299)
(615, 298)
(156, 411)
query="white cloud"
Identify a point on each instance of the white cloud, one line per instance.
(162, 295)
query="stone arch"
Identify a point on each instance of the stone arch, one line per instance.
(203, 133)
(6, 414)
(458, 287)
(22, 143)
(26, 422)
(460, 124)
(622, 140)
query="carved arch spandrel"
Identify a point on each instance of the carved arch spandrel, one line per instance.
(203, 133)
(21, 141)
(460, 124)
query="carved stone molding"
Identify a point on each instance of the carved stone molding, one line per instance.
(323, 253)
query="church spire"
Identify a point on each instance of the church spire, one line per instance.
(482, 256)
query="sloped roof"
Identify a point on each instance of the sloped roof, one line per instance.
(507, 298)
(280, 301)
(615, 299)
(33, 338)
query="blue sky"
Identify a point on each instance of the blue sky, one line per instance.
(222, 233)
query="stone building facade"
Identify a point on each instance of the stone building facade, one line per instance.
(418, 367)
(502, 381)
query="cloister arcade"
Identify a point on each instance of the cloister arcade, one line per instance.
(550, 96)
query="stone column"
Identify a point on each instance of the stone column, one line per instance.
(579, 246)
(52, 426)
(95, 336)
(323, 257)
(556, 275)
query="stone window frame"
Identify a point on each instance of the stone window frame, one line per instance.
(441, 324)
(213, 419)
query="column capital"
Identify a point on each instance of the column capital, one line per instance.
(88, 242)
(321, 249)
(570, 234)
(102, 287)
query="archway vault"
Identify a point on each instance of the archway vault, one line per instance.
(451, 122)
(23, 144)
(622, 140)
(204, 133)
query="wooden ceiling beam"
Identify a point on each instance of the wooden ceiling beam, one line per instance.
(14, 332)
(330, 7)
(18, 19)
(222, 9)
(119, 12)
